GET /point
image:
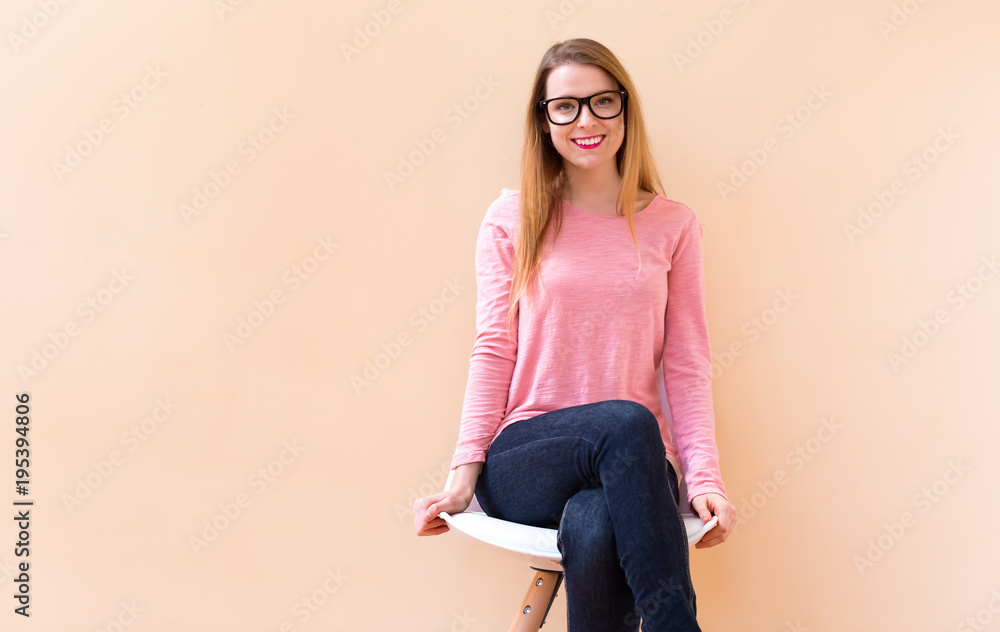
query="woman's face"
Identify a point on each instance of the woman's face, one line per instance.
(574, 80)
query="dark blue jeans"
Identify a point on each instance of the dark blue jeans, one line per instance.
(599, 474)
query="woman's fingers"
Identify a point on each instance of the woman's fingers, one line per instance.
(420, 514)
(433, 526)
(427, 510)
(715, 536)
(707, 541)
(425, 515)
(436, 504)
(435, 530)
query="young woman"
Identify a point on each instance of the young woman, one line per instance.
(588, 277)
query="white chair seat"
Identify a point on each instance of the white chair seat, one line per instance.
(535, 544)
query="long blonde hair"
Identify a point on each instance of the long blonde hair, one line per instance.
(543, 178)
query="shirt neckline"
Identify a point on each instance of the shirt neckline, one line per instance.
(636, 214)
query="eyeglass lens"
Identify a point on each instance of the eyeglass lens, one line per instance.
(606, 105)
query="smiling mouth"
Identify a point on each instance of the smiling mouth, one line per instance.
(589, 142)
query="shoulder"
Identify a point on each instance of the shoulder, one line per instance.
(679, 216)
(504, 210)
(507, 200)
(679, 226)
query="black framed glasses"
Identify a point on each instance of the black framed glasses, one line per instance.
(603, 105)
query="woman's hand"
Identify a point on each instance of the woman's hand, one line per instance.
(712, 504)
(426, 510)
(453, 500)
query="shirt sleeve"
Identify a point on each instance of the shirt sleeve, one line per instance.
(494, 353)
(687, 366)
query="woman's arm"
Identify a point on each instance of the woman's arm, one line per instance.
(491, 367)
(491, 364)
(687, 373)
(687, 365)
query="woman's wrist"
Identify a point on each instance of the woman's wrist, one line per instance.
(464, 479)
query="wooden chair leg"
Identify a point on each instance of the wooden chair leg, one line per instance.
(537, 601)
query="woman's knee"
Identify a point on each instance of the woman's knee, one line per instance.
(632, 421)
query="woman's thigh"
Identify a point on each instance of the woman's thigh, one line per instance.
(535, 465)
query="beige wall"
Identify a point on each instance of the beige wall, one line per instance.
(156, 412)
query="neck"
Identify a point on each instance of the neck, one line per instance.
(590, 186)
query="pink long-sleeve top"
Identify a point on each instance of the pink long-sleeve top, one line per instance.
(595, 328)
